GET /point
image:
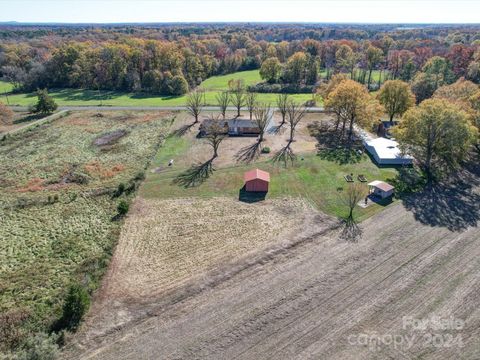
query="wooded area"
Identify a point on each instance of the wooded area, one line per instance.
(171, 59)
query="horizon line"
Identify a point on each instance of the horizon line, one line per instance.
(15, 22)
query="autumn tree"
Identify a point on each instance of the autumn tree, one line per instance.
(6, 115)
(251, 102)
(459, 91)
(354, 105)
(423, 86)
(373, 57)
(438, 134)
(237, 90)
(282, 106)
(195, 101)
(396, 97)
(223, 99)
(271, 70)
(345, 59)
(296, 67)
(45, 103)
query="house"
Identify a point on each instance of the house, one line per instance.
(242, 127)
(386, 152)
(209, 123)
(256, 180)
(234, 127)
(381, 189)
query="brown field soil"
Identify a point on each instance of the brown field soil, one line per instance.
(165, 245)
(200, 151)
(308, 299)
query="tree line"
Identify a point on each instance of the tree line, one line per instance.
(171, 60)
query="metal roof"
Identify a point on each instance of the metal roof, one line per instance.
(382, 185)
(256, 174)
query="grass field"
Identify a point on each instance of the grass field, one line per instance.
(57, 208)
(5, 87)
(76, 97)
(250, 77)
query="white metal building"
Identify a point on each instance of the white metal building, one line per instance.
(386, 152)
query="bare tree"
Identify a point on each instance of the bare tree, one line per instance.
(198, 173)
(237, 89)
(282, 105)
(215, 134)
(350, 197)
(195, 101)
(251, 101)
(295, 113)
(223, 98)
(262, 118)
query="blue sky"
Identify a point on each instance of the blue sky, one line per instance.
(367, 11)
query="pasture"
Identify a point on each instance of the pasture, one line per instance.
(58, 206)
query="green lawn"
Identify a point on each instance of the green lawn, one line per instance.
(5, 87)
(250, 77)
(313, 178)
(73, 97)
(76, 97)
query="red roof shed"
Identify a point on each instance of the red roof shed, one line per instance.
(256, 180)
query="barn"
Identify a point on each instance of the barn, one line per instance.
(256, 180)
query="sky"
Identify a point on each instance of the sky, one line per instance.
(356, 11)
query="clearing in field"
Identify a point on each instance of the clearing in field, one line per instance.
(59, 192)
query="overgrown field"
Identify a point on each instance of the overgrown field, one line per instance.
(59, 190)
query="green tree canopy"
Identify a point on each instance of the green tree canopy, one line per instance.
(396, 97)
(438, 134)
(271, 70)
(45, 103)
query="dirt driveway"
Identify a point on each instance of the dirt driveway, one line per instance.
(320, 299)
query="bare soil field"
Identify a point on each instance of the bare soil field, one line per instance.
(167, 245)
(314, 299)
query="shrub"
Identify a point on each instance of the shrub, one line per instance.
(266, 150)
(45, 103)
(140, 176)
(123, 207)
(120, 190)
(39, 347)
(75, 306)
(282, 88)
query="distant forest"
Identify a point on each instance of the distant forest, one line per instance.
(171, 59)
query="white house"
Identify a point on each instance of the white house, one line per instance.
(386, 152)
(381, 189)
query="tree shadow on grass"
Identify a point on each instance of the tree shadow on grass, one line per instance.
(454, 204)
(341, 156)
(332, 147)
(251, 197)
(195, 175)
(285, 155)
(249, 153)
(183, 130)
